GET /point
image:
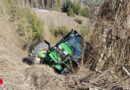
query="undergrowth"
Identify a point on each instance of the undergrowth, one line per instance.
(59, 31)
(28, 25)
(110, 39)
(75, 8)
(79, 21)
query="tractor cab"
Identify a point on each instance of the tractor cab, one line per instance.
(74, 41)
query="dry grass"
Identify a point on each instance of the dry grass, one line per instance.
(11, 68)
(61, 19)
(111, 45)
(44, 77)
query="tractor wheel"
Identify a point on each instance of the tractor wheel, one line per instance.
(37, 48)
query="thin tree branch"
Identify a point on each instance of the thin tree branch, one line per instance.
(127, 72)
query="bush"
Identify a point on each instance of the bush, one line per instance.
(36, 25)
(67, 5)
(79, 21)
(70, 12)
(77, 8)
(72, 8)
(28, 25)
(60, 31)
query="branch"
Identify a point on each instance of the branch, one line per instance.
(127, 72)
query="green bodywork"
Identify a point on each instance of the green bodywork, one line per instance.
(66, 48)
(53, 58)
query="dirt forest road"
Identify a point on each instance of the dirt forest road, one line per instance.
(52, 19)
(60, 19)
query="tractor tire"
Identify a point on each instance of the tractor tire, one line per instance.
(37, 48)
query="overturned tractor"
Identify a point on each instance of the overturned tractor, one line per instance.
(60, 56)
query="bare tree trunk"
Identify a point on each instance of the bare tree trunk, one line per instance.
(42, 4)
(45, 3)
(22, 3)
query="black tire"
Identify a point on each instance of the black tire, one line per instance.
(37, 48)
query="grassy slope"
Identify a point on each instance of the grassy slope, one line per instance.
(27, 24)
(11, 54)
(52, 20)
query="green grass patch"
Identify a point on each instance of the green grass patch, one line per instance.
(59, 31)
(79, 21)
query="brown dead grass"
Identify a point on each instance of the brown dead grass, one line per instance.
(110, 39)
(11, 67)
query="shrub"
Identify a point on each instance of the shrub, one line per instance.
(67, 5)
(28, 25)
(70, 12)
(79, 21)
(77, 8)
(60, 31)
(36, 25)
(72, 8)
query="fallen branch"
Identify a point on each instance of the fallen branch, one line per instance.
(127, 72)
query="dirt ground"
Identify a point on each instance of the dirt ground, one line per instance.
(60, 19)
(52, 19)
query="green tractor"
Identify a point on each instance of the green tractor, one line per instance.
(59, 56)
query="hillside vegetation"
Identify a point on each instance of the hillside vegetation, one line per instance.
(111, 47)
(26, 22)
